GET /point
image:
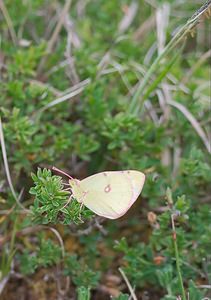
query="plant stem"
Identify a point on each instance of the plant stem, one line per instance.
(177, 259)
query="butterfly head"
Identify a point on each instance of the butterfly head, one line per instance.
(76, 189)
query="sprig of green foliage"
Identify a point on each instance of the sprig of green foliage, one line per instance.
(81, 274)
(51, 204)
(44, 255)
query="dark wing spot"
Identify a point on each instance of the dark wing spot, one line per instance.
(107, 189)
(105, 174)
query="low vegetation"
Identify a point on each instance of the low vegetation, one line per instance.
(95, 85)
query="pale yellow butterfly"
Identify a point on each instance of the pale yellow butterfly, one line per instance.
(109, 194)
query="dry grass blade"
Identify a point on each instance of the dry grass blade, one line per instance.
(144, 28)
(81, 84)
(152, 112)
(9, 22)
(128, 284)
(73, 40)
(162, 20)
(204, 286)
(4, 154)
(58, 26)
(3, 283)
(128, 17)
(193, 122)
(62, 98)
(54, 35)
(45, 86)
(202, 59)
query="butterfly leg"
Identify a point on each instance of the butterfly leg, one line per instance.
(81, 206)
(81, 200)
(68, 201)
(64, 183)
(67, 189)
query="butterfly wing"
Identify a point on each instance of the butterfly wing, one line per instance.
(111, 194)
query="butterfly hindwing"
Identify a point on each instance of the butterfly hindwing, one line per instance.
(111, 194)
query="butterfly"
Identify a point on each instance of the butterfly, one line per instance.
(109, 194)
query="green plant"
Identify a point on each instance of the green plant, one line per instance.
(83, 293)
(52, 204)
(162, 262)
(45, 255)
(81, 274)
(112, 85)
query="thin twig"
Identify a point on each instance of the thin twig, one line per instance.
(59, 238)
(20, 204)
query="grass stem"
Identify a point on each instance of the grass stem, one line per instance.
(174, 235)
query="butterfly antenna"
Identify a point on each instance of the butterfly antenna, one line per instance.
(62, 172)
